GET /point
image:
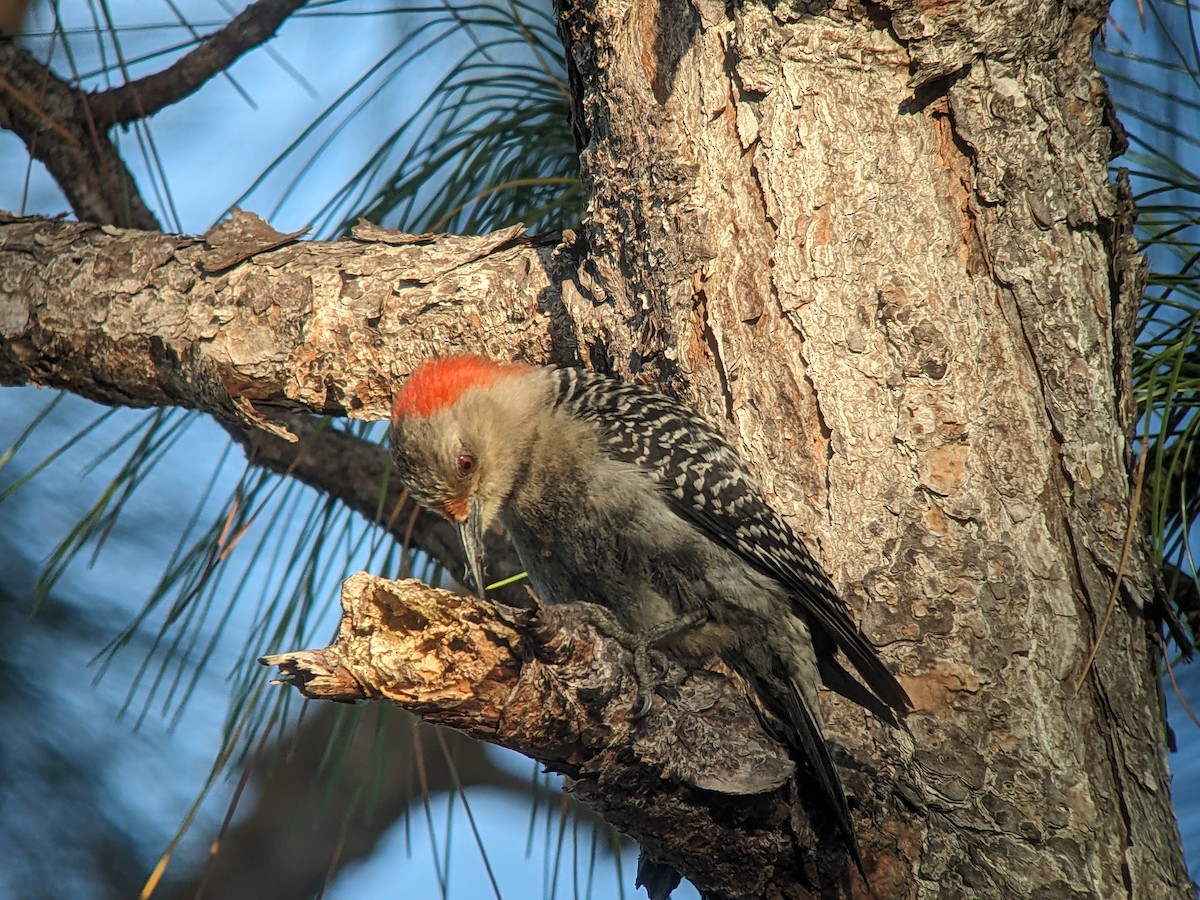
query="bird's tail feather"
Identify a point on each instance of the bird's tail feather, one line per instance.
(787, 700)
(810, 742)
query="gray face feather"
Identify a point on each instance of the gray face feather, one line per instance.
(431, 455)
(491, 425)
(424, 450)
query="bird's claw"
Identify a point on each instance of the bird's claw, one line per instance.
(649, 663)
(641, 709)
(646, 660)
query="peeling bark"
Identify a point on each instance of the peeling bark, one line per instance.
(145, 319)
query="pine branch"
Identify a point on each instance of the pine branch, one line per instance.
(253, 26)
(60, 130)
(697, 782)
(249, 334)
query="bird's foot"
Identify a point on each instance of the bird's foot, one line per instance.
(646, 657)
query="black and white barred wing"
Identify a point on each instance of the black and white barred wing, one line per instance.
(706, 483)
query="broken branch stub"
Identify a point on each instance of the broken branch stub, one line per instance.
(542, 682)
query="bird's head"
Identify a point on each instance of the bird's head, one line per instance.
(452, 445)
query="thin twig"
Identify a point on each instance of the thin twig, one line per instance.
(253, 26)
(1174, 684)
(1134, 506)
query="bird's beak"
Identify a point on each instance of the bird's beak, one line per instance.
(470, 531)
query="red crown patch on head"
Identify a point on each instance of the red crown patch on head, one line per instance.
(437, 384)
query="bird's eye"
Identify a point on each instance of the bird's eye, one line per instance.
(466, 465)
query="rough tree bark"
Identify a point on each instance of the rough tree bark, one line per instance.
(877, 243)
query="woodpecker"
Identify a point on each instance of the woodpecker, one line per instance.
(616, 495)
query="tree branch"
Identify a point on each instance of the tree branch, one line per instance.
(142, 319)
(698, 782)
(56, 123)
(254, 25)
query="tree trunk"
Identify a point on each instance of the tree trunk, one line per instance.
(880, 246)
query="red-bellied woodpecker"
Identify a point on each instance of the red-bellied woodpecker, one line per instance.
(617, 495)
